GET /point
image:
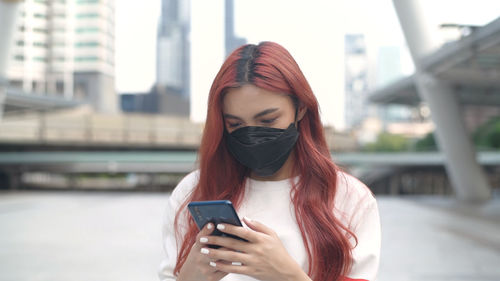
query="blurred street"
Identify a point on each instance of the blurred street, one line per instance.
(69, 236)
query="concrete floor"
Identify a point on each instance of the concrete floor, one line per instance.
(436, 239)
(73, 236)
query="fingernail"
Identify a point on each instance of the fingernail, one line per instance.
(204, 251)
(247, 219)
(236, 263)
(210, 226)
(220, 227)
(212, 264)
(203, 239)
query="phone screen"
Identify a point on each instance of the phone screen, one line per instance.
(220, 211)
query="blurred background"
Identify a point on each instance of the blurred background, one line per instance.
(102, 105)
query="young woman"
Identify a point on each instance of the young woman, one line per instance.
(264, 149)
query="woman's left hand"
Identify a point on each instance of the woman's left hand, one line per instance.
(263, 257)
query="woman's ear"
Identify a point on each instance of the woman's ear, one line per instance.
(302, 111)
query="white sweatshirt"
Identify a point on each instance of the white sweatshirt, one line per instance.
(269, 203)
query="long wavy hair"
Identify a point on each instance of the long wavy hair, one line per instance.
(270, 66)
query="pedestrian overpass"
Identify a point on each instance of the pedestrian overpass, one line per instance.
(446, 76)
(175, 161)
(15, 101)
(383, 172)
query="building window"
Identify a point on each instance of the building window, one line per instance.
(40, 16)
(40, 44)
(87, 15)
(87, 1)
(44, 2)
(40, 30)
(87, 29)
(87, 44)
(19, 57)
(86, 59)
(59, 87)
(20, 43)
(40, 59)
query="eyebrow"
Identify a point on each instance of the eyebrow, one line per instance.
(262, 113)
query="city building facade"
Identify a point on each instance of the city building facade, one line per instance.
(66, 49)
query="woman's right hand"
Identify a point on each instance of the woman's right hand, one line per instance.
(197, 265)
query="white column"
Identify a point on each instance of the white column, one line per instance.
(467, 177)
(8, 16)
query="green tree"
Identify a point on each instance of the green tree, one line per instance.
(388, 143)
(427, 143)
(487, 136)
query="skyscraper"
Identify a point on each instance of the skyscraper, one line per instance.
(230, 39)
(356, 79)
(94, 49)
(173, 48)
(66, 49)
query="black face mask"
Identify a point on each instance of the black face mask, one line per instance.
(262, 149)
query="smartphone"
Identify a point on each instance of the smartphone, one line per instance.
(220, 211)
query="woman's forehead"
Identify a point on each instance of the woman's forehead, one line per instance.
(251, 98)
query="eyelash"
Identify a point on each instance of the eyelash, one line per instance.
(234, 125)
(264, 121)
(268, 121)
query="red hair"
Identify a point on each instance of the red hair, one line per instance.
(271, 67)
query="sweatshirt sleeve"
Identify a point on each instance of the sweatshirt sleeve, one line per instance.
(169, 243)
(366, 254)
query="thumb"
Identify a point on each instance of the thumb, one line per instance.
(258, 226)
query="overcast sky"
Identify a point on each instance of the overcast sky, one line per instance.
(311, 30)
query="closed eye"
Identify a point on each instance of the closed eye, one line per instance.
(233, 125)
(268, 121)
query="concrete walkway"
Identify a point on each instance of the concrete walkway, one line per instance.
(77, 236)
(425, 238)
(73, 236)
